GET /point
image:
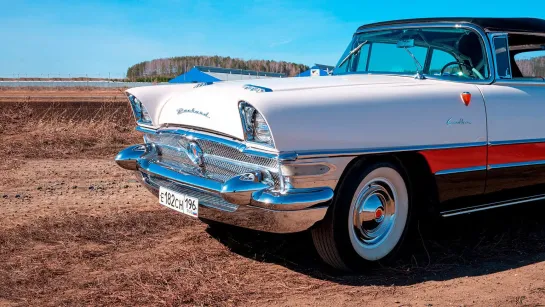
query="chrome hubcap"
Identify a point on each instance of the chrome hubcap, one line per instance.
(374, 212)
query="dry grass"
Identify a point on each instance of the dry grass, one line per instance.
(56, 260)
(132, 258)
(62, 131)
(83, 232)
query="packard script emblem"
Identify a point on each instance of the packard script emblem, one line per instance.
(192, 110)
(451, 121)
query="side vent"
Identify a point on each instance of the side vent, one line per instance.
(257, 89)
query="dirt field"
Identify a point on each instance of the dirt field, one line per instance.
(77, 230)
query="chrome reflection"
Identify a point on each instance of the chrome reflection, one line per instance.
(374, 213)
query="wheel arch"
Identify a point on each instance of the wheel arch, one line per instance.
(417, 172)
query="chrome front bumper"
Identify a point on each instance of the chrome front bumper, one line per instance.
(241, 201)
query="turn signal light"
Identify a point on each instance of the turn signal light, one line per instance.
(466, 98)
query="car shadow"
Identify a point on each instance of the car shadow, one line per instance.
(439, 248)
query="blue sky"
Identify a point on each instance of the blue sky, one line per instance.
(97, 37)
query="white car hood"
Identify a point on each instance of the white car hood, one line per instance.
(215, 107)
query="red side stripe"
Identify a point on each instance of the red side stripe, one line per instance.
(453, 158)
(504, 154)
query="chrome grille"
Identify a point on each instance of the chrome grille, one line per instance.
(221, 162)
(219, 150)
(208, 199)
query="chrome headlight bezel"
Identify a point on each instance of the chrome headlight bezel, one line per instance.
(255, 126)
(141, 115)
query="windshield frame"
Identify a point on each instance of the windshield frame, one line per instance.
(460, 25)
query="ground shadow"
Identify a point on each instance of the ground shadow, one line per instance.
(440, 249)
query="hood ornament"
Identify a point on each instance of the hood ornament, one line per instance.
(192, 110)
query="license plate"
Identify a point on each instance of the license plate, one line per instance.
(179, 202)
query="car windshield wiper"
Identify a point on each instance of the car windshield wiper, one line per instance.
(351, 53)
(419, 67)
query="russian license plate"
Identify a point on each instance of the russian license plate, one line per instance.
(179, 202)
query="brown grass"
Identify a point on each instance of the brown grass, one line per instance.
(65, 131)
(81, 231)
(61, 256)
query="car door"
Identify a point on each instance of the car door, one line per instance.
(516, 130)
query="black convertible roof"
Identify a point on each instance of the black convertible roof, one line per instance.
(487, 24)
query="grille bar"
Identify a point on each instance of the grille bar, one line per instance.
(221, 162)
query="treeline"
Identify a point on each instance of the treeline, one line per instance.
(534, 67)
(159, 69)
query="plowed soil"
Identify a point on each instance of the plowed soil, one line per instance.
(75, 229)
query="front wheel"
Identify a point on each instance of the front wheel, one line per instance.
(368, 219)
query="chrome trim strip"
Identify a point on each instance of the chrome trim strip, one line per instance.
(519, 82)
(492, 206)
(461, 170)
(355, 152)
(515, 142)
(188, 179)
(305, 154)
(516, 164)
(464, 25)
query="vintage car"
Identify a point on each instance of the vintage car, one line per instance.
(423, 115)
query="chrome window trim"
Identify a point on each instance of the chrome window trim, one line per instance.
(461, 170)
(463, 25)
(492, 36)
(516, 164)
(356, 152)
(518, 82)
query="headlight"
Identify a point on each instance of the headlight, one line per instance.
(140, 113)
(255, 127)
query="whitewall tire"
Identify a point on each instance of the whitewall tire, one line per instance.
(368, 219)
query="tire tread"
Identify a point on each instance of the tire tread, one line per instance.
(325, 246)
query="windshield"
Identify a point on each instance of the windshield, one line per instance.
(441, 52)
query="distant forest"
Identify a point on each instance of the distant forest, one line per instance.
(165, 69)
(534, 67)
